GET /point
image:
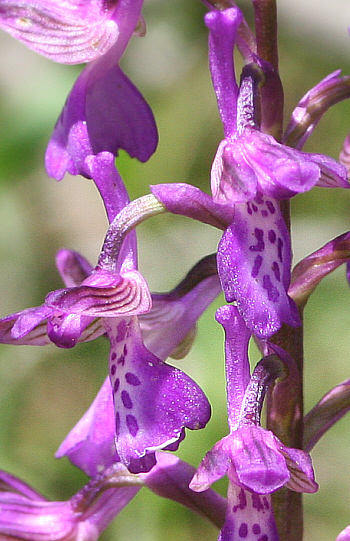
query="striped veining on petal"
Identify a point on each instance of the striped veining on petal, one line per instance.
(125, 295)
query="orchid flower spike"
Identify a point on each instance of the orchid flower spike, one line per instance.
(252, 172)
(256, 462)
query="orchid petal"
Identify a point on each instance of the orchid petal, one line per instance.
(153, 401)
(104, 295)
(254, 264)
(190, 201)
(223, 26)
(332, 407)
(94, 431)
(103, 112)
(237, 363)
(25, 322)
(309, 111)
(71, 32)
(73, 267)
(65, 330)
(170, 320)
(308, 273)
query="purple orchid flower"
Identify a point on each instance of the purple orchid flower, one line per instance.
(256, 462)
(90, 445)
(153, 401)
(104, 111)
(252, 172)
(26, 515)
(344, 535)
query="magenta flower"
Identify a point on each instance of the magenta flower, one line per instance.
(26, 515)
(256, 462)
(104, 111)
(251, 172)
(153, 401)
(91, 443)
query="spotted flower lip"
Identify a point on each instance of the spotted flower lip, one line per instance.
(251, 173)
(253, 458)
(90, 445)
(70, 32)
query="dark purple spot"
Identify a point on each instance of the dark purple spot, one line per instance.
(249, 210)
(271, 207)
(279, 248)
(132, 425)
(121, 360)
(116, 385)
(113, 369)
(243, 530)
(257, 504)
(132, 379)
(121, 331)
(263, 538)
(117, 424)
(272, 236)
(254, 207)
(266, 503)
(113, 356)
(260, 245)
(276, 271)
(242, 502)
(125, 349)
(264, 213)
(127, 402)
(256, 529)
(272, 291)
(256, 267)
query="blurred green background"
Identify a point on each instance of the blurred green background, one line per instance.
(44, 391)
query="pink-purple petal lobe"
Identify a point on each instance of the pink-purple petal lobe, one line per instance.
(104, 112)
(309, 272)
(25, 322)
(237, 363)
(223, 26)
(171, 319)
(187, 200)
(90, 444)
(153, 401)
(104, 295)
(255, 162)
(73, 267)
(344, 535)
(254, 259)
(71, 32)
(255, 460)
(65, 330)
(27, 516)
